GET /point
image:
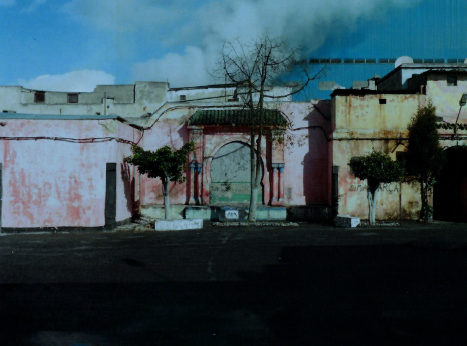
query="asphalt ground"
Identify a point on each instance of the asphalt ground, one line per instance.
(307, 285)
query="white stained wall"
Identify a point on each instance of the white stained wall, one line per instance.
(128, 101)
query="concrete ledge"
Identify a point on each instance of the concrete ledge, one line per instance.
(226, 213)
(178, 225)
(198, 212)
(52, 229)
(308, 213)
(217, 212)
(276, 214)
(157, 211)
(347, 221)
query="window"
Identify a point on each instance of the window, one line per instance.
(72, 98)
(382, 101)
(452, 80)
(39, 96)
(182, 97)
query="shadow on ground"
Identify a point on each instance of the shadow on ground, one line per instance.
(342, 295)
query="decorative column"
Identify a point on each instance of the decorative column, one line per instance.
(196, 136)
(192, 183)
(199, 167)
(280, 190)
(277, 189)
(277, 156)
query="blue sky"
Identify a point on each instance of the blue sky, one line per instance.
(76, 44)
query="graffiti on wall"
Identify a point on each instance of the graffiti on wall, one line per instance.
(390, 188)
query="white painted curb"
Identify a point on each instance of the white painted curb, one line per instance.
(178, 225)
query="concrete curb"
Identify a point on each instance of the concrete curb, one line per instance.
(178, 225)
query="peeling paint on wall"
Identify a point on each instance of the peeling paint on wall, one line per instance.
(54, 183)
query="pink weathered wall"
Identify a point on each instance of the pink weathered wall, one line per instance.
(307, 176)
(307, 165)
(49, 183)
(170, 130)
(126, 174)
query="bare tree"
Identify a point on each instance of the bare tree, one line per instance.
(255, 67)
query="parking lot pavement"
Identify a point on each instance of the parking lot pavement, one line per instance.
(308, 284)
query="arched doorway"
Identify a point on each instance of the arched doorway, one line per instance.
(450, 190)
(231, 176)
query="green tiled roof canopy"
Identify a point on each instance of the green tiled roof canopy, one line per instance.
(235, 117)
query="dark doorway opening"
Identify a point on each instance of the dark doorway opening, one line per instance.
(450, 190)
(110, 195)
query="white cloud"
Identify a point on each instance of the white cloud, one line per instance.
(80, 81)
(7, 2)
(297, 21)
(189, 69)
(306, 23)
(205, 25)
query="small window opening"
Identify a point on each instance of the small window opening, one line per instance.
(182, 97)
(452, 80)
(382, 101)
(39, 96)
(72, 98)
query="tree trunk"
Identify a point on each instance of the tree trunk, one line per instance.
(255, 179)
(372, 205)
(424, 197)
(253, 188)
(165, 184)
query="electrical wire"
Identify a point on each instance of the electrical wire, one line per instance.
(71, 140)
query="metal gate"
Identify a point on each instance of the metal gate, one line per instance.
(231, 176)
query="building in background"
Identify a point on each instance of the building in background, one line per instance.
(63, 153)
(377, 118)
(85, 129)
